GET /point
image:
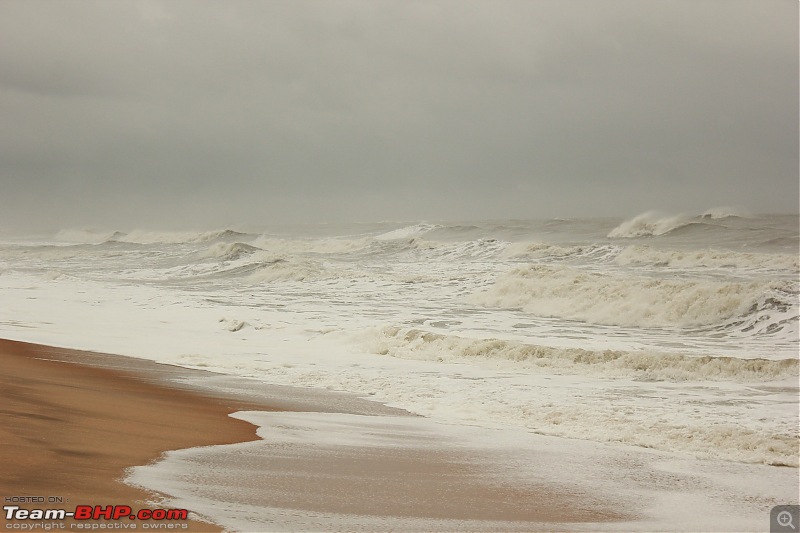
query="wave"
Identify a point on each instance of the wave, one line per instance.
(655, 224)
(264, 268)
(408, 232)
(229, 251)
(417, 344)
(785, 243)
(649, 224)
(282, 269)
(718, 213)
(611, 299)
(178, 237)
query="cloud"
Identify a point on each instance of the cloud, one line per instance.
(190, 111)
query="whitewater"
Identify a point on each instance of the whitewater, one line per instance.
(674, 333)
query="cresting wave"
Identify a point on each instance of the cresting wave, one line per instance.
(610, 299)
(653, 223)
(408, 232)
(648, 224)
(228, 251)
(406, 343)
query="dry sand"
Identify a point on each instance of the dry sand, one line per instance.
(70, 430)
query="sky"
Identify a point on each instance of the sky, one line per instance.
(196, 114)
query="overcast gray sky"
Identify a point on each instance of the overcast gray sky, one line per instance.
(197, 114)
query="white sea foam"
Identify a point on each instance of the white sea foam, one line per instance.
(410, 343)
(542, 250)
(643, 255)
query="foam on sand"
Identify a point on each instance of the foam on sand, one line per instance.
(329, 471)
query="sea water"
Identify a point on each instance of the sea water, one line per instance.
(673, 333)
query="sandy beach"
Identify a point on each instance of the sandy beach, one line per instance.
(74, 421)
(70, 430)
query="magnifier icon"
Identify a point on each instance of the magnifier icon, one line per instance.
(784, 519)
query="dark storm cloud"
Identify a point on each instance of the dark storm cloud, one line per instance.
(137, 113)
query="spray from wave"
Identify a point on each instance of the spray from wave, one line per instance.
(654, 223)
(408, 232)
(649, 224)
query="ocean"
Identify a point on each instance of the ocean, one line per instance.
(670, 333)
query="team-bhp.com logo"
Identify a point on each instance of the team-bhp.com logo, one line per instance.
(92, 515)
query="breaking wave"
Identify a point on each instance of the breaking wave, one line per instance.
(650, 224)
(408, 232)
(654, 224)
(610, 299)
(229, 251)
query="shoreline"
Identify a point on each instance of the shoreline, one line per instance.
(76, 423)
(243, 455)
